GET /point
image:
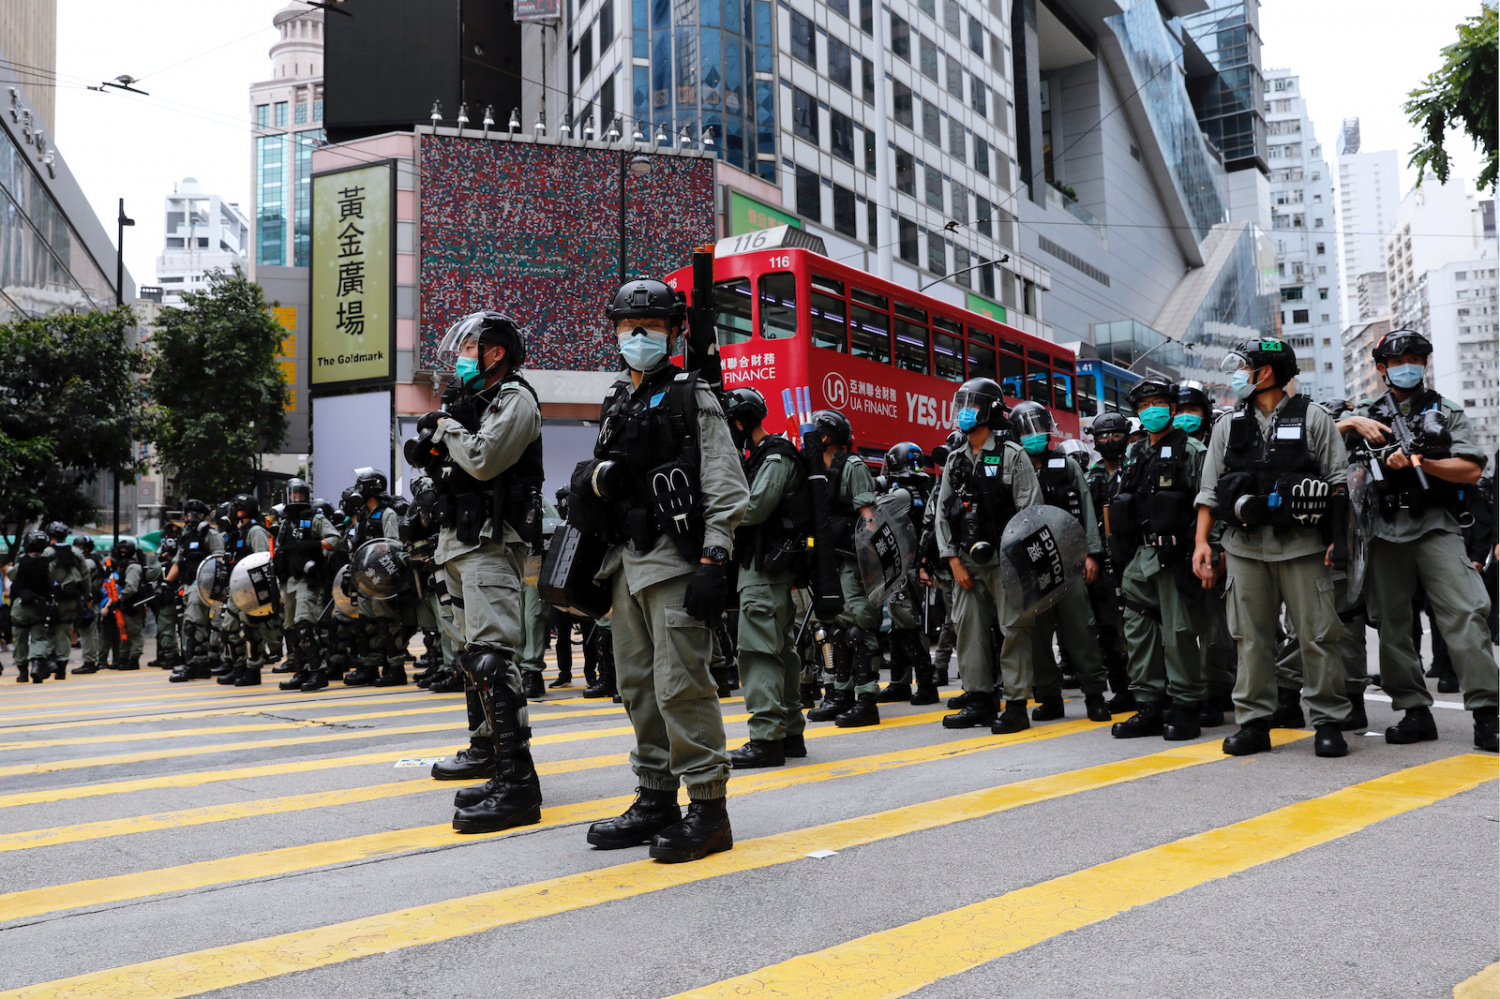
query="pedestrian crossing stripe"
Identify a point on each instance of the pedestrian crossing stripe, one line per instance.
(256, 960)
(898, 961)
(425, 837)
(1484, 985)
(215, 708)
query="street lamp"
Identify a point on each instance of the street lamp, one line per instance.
(1182, 343)
(121, 222)
(641, 167)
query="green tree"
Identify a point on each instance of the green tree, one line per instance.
(219, 397)
(1462, 93)
(71, 406)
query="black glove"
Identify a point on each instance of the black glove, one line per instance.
(707, 592)
(347, 584)
(429, 421)
(828, 606)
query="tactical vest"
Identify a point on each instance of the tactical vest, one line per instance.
(238, 545)
(1267, 467)
(1155, 502)
(299, 542)
(777, 542)
(191, 552)
(981, 496)
(370, 524)
(32, 585)
(513, 497)
(1401, 488)
(1058, 486)
(1103, 485)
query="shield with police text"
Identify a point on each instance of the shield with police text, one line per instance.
(1364, 498)
(343, 590)
(887, 550)
(213, 580)
(1041, 552)
(252, 585)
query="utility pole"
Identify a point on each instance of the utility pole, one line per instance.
(121, 222)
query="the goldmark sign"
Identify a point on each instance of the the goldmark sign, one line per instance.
(353, 278)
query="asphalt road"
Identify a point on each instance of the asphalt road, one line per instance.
(191, 839)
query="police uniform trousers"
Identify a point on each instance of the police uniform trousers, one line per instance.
(975, 612)
(484, 586)
(302, 602)
(859, 613)
(661, 669)
(29, 625)
(1351, 646)
(1256, 592)
(770, 668)
(135, 642)
(536, 617)
(168, 621)
(1072, 619)
(381, 622)
(1460, 607)
(1161, 635)
(905, 608)
(1217, 650)
(88, 639)
(1109, 623)
(195, 623)
(62, 630)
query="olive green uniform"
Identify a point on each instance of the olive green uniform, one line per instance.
(72, 586)
(1072, 617)
(975, 610)
(770, 669)
(661, 651)
(196, 615)
(537, 616)
(1427, 547)
(132, 587)
(1161, 624)
(88, 630)
(856, 491)
(1268, 566)
(257, 632)
(380, 621)
(304, 595)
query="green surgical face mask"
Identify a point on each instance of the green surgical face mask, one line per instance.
(1035, 443)
(1156, 418)
(1188, 422)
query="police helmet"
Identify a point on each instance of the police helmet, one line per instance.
(1256, 354)
(646, 298)
(833, 427)
(350, 501)
(940, 456)
(486, 329)
(297, 491)
(1108, 423)
(1075, 449)
(326, 509)
(1150, 387)
(1337, 408)
(86, 542)
(125, 550)
(1029, 418)
(902, 460)
(746, 405)
(246, 506)
(369, 482)
(1398, 342)
(1191, 393)
(35, 542)
(167, 550)
(380, 569)
(57, 530)
(986, 397)
(195, 507)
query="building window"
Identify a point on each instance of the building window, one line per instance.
(841, 136)
(951, 16)
(981, 156)
(270, 202)
(955, 77)
(934, 186)
(607, 98)
(901, 103)
(956, 144)
(870, 152)
(839, 68)
(606, 25)
(976, 95)
(281, 114)
(318, 110)
(844, 212)
(804, 115)
(961, 272)
(299, 114)
(839, 7)
(1323, 294)
(900, 37)
(906, 239)
(976, 38)
(1300, 316)
(262, 115)
(982, 212)
(906, 172)
(872, 223)
(804, 40)
(932, 124)
(927, 57)
(960, 199)
(867, 81)
(809, 197)
(306, 142)
(937, 253)
(1320, 249)
(585, 52)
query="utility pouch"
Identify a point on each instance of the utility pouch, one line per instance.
(1168, 527)
(468, 512)
(674, 501)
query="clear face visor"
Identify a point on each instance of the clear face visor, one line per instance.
(451, 347)
(979, 403)
(1235, 361)
(1033, 421)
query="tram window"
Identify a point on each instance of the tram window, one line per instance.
(980, 336)
(1039, 384)
(732, 310)
(821, 283)
(941, 325)
(1060, 364)
(778, 306)
(828, 321)
(1012, 375)
(1062, 391)
(981, 362)
(911, 341)
(948, 357)
(1088, 398)
(1013, 348)
(1038, 355)
(870, 333)
(870, 298)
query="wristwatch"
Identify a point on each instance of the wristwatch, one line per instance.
(716, 553)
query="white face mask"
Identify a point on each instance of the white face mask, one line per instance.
(643, 349)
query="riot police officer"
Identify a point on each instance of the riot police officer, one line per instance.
(200, 539)
(31, 600)
(383, 663)
(937, 569)
(769, 546)
(1162, 601)
(1272, 473)
(901, 468)
(984, 484)
(71, 591)
(484, 453)
(1064, 484)
(665, 489)
(245, 638)
(168, 607)
(88, 611)
(304, 538)
(1109, 431)
(1418, 539)
(130, 576)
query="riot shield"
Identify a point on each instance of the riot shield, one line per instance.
(213, 580)
(252, 586)
(1364, 499)
(886, 552)
(343, 602)
(1041, 553)
(567, 580)
(379, 568)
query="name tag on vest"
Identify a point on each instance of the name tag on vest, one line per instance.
(1289, 433)
(1166, 451)
(1056, 462)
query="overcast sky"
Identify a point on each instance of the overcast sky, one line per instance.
(197, 59)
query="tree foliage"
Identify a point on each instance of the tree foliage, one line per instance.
(71, 406)
(1462, 93)
(219, 397)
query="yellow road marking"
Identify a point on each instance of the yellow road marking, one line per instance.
(215, 708)
(899, 961)
(236, 964)
(1484, 985)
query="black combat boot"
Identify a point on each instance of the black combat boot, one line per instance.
(40, 670)
(296, 680)
(1288, 713)
(236, 670)
(478, 760)
(248, 677)
(1329, 740)
(650, 813)
(86, 669)
(448, 681)
(1448, 684)
(391, 676)
(291, 664)
(864, 712)
(894, 693)
(1210, 714)
(957, 701)
(835, 703)
(1416, 726)
(809, 692)
(1095, 708)
(515, 799)
(1048, 709)
(1012, 719)
(794, 746)
(1180, 723)
(604, 686)
(60, 668)
(362, 676)
(1253, 737)
(1485, 729)
(564, 678)
(317, 679)
(1147, 720)
(704, 830)
(531, 685)
(1357, 719)
(23, 675)
(1122, 702)
(899, 689)
(976, 711)
(758, 753)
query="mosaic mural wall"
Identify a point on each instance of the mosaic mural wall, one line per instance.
(533, 230)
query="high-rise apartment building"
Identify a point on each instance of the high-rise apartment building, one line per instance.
(205, 233)
(1304, 226)
(1368, 190)
(287, 114)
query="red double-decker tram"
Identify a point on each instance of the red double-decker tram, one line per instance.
(888, 357)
